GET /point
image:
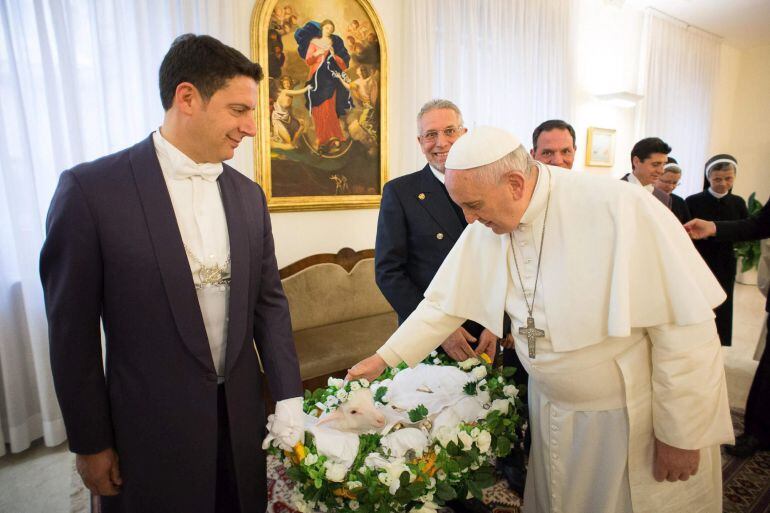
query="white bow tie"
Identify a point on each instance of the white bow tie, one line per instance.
(209, 172)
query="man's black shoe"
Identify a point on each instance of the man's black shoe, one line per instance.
(515, 475)
(745, 446)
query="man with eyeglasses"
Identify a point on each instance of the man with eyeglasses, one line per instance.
(419, 224)
(553, 143)
(669, 181)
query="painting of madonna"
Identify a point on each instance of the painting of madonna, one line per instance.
(321, 137)
(328, 99)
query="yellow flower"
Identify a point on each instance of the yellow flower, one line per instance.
(486, 358)
(299, 452)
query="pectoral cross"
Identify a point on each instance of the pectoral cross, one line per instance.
(532, 333)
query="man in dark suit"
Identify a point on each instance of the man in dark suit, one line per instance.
(648, 157)
(553, 143)
(172, 251)
(419, 224)
(756, 433)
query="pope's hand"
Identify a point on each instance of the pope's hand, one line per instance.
(287, 425)
(487, 344)
(508, 342)
(368, 368)
(674, 464)
(700, 229)
(456, 345)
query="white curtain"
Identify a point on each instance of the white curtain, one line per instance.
(78, 80)
(680, 68)
(504, 63)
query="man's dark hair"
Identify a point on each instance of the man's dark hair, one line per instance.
(646, 147)
(553, 124)
(205, 62)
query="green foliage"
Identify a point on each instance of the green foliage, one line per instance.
(749, 251)
(419, 413)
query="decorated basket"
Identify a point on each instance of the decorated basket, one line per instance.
(408, 442)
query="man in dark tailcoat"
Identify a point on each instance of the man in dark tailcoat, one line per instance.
(756, 432)
(172, 252)
(718, 203)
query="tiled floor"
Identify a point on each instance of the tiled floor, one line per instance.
(39, 479)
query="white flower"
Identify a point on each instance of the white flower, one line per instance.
(341, 395)
(440, 475)
(446, 434)
(323, 507)
(483, 441)
(336, 383)
(437, 361)
(510, 390)
(466, 439)
(475, 432)
(364, 382)
(500, 405)
(335, 471)
(479, 372)
(353, 504)
(481, 383)
(355, 385)
(467, 364)
(474, 466)
(437, 449)
(392, 475)
(310, 459)
(433, 354)
(352, 485)
(332, 401)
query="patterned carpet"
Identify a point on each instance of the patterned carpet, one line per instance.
(746, 482)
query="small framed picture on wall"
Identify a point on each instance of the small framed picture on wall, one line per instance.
(600, 147)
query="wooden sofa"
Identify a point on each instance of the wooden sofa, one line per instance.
(338, 314)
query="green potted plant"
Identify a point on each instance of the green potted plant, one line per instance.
(748, 252)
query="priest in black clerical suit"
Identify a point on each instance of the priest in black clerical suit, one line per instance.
(718, 203)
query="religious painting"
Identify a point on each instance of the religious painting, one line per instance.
(600, 147)
(322, 128)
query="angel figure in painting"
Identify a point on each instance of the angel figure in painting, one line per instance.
(286, 127)
(327, 99)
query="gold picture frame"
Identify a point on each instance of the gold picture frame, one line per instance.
(600, 147)
(322, 111)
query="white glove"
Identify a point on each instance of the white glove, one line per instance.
(287, 425)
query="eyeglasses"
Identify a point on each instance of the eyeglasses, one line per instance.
(449, 132)
(673, 184)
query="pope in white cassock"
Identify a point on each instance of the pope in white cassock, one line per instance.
(611, 308)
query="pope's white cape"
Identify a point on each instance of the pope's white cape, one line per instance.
(630, 265)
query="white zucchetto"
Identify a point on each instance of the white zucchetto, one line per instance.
(481, 146)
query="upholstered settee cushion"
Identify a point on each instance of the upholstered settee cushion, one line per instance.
(326, 293)
(327, 349)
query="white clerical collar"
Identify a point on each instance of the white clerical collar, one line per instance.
(633, 179)
(438, 174)
(539, 198)
(180, 165)
(718, 195)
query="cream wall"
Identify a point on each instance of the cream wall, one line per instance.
(741, 124)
